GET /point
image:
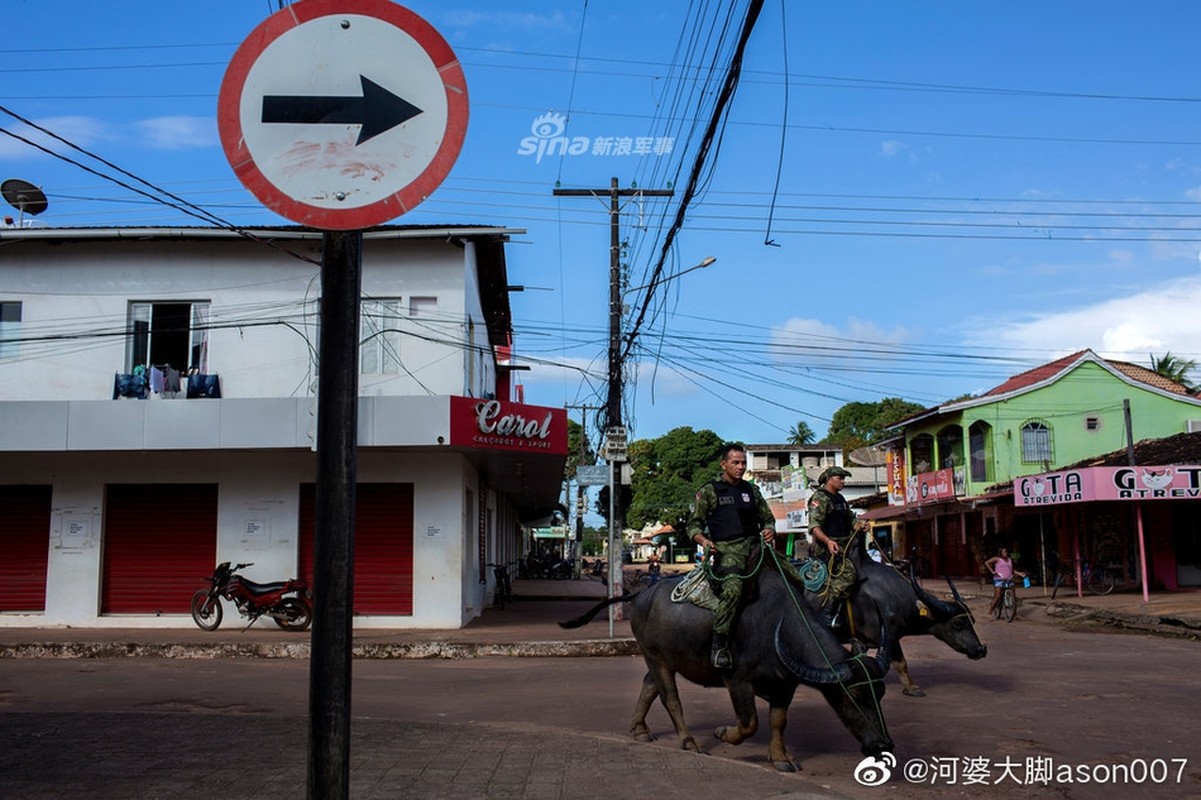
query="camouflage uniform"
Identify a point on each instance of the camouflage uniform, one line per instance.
(830, 512)
(732, 547)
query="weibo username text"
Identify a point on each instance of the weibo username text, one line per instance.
(1029, 771)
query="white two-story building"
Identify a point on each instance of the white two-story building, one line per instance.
(158, 415)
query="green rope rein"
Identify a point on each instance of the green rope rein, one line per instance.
(859, 657)
(707, 566)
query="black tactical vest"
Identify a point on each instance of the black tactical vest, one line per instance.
(838, 518)
(736, 515)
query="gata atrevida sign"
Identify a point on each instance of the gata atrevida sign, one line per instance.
(1173, 482)
(502, 425)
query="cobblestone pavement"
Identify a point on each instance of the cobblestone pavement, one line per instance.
(156, 753)
(183, 756)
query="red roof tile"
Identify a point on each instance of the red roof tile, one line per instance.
(1144, 375)
(1036, 375)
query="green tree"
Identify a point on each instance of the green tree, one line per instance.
(666, 473)
(579, 453)
(858, 424)
(594, 541)
(1174, 368)
(801, 434)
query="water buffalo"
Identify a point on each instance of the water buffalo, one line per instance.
(883, 598)
(777, 644)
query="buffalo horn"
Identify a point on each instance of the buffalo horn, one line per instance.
(807, 673)
(942, 606)
(955, 592)
(883, 659)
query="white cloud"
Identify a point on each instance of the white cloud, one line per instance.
(857, 329)
(81, 131)
(156, 133)
(816, 342)
(891, 148)
(177, 133)
(1154, 321)
(559, 369)
(503, 31)
(507, 21)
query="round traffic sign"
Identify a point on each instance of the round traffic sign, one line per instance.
(342, 114)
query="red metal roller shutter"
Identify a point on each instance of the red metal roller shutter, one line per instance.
(160, 543)
(953, 549)
(383, 546)
(24, 547)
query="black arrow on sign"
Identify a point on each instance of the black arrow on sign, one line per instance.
(378, 110)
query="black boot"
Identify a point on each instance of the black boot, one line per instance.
(827, 614)
(720, 653)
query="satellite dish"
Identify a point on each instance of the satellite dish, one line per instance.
(24, 196)
(869, 456)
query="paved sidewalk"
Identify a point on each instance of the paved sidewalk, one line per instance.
(526, 627)
(529, 627)
(1164, 613)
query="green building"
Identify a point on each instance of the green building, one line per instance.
(953, 465)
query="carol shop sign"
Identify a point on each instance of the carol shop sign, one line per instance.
(1172, 482)
(501, 425)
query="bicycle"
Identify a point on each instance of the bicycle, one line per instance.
(920, 566)
(1007, 607)
(1101, 580)
(1096, 578)
(504, 587)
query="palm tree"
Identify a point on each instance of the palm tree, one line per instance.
(801, 434)
(1173, 368)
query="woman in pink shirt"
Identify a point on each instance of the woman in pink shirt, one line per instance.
(1002, 570)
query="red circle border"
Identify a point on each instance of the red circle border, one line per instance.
(229, 123)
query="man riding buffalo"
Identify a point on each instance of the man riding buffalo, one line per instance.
(833, 527)
(727, 519)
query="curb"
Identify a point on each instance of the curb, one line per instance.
(416, 650)
(1166, 625)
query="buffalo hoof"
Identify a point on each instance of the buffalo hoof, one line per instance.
(727, 734)
(914, 692)
(691, 744)
(785, 766)
(641, 733)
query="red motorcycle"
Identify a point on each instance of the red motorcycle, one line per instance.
(289, 603)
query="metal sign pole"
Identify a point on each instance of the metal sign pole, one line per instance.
(333, 558)
(310, 73)
(614, 556)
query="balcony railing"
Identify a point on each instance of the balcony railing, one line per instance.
(142, 386)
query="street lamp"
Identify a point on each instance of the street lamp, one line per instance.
(706, 261)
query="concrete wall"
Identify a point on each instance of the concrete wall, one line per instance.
(257, 521)
(263, 313)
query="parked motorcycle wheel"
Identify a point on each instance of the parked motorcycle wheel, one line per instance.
(294, 614)
(206, 611)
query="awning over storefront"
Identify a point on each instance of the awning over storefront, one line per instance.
(886, 512)
(1087, 484)
(520, 449)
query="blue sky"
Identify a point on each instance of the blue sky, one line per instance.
(909, 199)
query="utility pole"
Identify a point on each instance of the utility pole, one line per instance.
(1138, 506)
(579, 500)
(613, 401)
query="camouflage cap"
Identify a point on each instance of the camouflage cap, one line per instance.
(833, 472)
